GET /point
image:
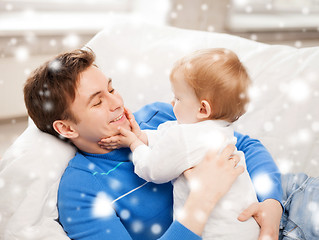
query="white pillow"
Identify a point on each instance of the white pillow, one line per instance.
(30, 173)
(139, 57)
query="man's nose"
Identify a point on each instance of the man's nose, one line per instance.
(114, 102)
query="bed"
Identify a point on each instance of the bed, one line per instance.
(283, 113)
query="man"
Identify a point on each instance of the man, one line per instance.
(99, 194)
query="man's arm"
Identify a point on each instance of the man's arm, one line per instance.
(262, 169)
(266, 178)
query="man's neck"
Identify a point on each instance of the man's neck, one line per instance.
(90, 147)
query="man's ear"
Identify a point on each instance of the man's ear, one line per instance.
(204, 111)
(65, 129)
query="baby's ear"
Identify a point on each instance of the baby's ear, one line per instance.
(65, 129)
(204, 111)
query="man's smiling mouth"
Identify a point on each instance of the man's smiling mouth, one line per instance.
(118, 118)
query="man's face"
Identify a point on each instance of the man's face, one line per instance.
(98, 107)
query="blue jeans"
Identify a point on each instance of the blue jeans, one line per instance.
(300, 220)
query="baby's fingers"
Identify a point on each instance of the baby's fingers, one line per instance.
(109, 140)
(129, 115)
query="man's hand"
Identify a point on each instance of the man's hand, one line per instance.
(208, 181)
(267, 214)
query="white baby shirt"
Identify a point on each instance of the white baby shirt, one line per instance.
(173, 148)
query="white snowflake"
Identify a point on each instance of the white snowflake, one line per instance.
(32, 175)
(16, 189)
(227, 205)
(298, 44)
(123, 65)
(71, 41)
(115, 184)
(137, 226)
(241, 2)
(9, 7)
(52, 174)
(125, 214)
(134, 200)
(179, 7)
(253, 37)
(156, 229)
(248, 9)
(30, 232)
(210, 28)
(194, 184)
(174, 15)
(305, 10)
(266, 237)
(102, 206)
(22, 53)
(12, 42)
(91, 166)
(48, 106)
(269, 6)
(55, 65)
(143, 70)
(268, 126)
(263, 184)
(204, 7)
(285, 165)
(200, 216)
(179, 213)
(140, 97)
(312, 206)
(51, 203)
(27, 71)
(52, 42)
(281, 24)
(298, 91)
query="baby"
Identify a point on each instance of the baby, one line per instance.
(210, 93)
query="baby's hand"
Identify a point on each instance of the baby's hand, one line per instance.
(111, 143)
(124, 139)
(135, 128)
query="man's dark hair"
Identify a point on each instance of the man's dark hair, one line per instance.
(50, 89)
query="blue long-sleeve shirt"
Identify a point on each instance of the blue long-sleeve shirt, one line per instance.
(100, 196)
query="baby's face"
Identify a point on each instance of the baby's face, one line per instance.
(186, 104)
